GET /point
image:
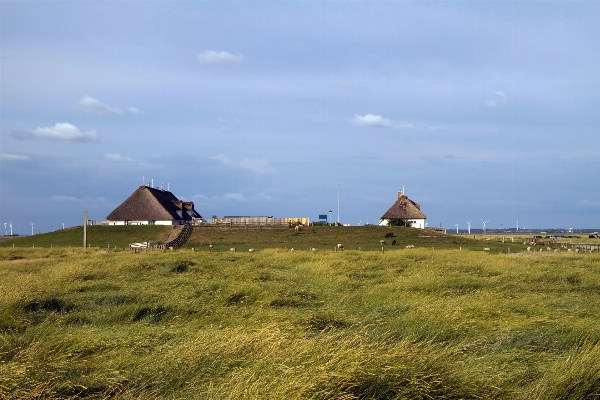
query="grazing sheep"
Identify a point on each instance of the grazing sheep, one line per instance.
(557, 250)
(382, 242)
(251, 250)
(394, 242)
(549, 248)
(298, 228)
(211, 247)
(340, 246)
(410, 246)
(389, 235)
(528, 248)
(292, 249)
(233, 250)
(486, 249)
(568, 250)
(577, 250)
(313, 249)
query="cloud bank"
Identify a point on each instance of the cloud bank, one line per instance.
(94, 106)
(117, 158)
(13, 157)
(377, 121)
(501, 99)
(60, 131)
(210, 57)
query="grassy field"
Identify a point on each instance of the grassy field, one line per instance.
(323, 238)
(275, 324)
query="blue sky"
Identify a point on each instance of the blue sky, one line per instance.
(480, 110)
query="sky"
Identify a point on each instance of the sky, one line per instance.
(480, 110)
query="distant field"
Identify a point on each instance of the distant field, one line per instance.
(275, 324)
(323, 238)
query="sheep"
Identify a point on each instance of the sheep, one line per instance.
(577, 250)
(292, 249)
(298, 228)
(389, 235)
(382, 242)
(313, 249)
(340, 246)
(211, 247)
(557, 250)
(251, 250)
(233, 250)
(486, 249)
(549, 248)
(528, 248)
(410, 246)
(394, 242)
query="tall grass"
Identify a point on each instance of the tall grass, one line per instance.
(280, 324)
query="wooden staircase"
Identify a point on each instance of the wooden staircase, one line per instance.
(177, 237)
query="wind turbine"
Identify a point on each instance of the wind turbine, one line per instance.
(484, 222)
(469, 227)
(32, 229)
(10, 228)
(456, 228)
(517, 226)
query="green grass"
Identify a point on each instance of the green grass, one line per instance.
(323, 238)
(276, 324)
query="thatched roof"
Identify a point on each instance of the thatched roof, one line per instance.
(404, 208)
(150, 204)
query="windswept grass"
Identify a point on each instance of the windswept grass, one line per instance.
(277, 324)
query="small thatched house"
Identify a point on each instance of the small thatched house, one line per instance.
(406, 209)
(150, 206)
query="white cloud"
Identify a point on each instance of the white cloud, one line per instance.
(60, 131)
(377, 121)
(89, 104)
(258, 166)
(495, 103)
(234, 197)
(117, 158)
(134, 111)
(13, 157)
(209, 57)
(224, 159)
(63, 198)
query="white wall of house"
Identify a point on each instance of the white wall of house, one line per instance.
(416, 223)
(144, 223)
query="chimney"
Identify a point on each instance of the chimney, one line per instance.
(400, 194)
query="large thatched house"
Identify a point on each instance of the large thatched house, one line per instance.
(406, 209)
(151, 206)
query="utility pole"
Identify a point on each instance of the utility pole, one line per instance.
(84, 230)
(338, 203)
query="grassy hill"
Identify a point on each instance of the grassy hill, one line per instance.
(323, 238)
(406, 324)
